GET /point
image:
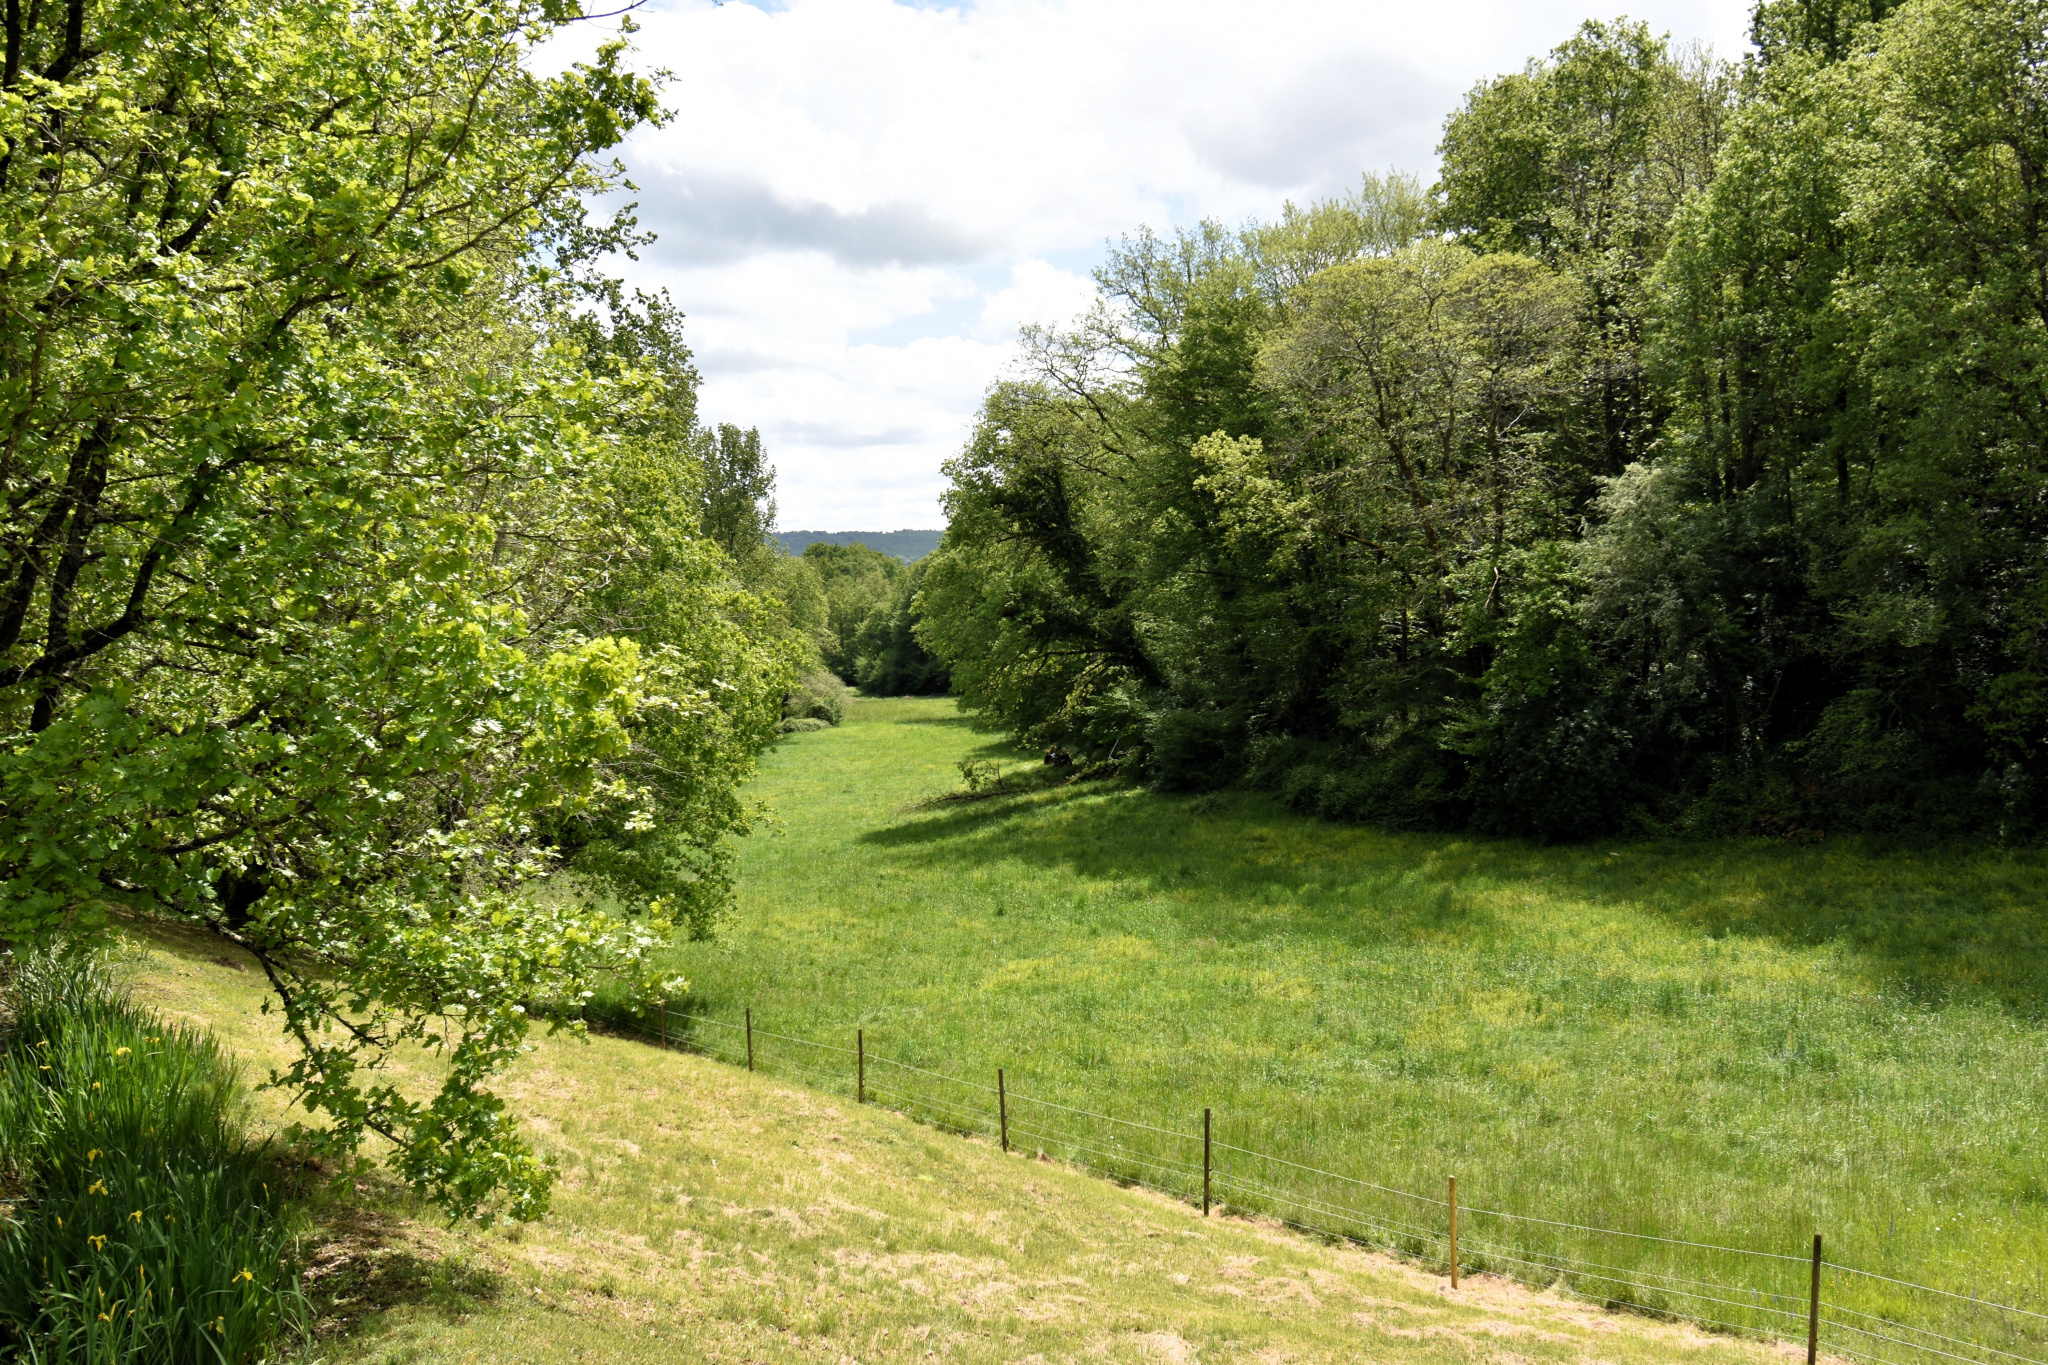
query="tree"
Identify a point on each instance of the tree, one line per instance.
(1580, 160)
(1856, 309)
(739, 491)
(890, 661)
(857, 581)
(310, 481)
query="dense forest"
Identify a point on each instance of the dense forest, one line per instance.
(1674, 462)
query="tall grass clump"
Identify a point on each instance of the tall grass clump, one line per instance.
(136, 1223)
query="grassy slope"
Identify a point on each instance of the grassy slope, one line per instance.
(1740, 1041)
(706, 1214)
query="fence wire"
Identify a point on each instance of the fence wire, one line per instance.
(1922, 1325)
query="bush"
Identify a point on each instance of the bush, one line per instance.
(142, 1227)
(821, 696)
(1194, 751)
(1555, 767)
(1408, 786)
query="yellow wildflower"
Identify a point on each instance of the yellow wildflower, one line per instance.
(245, 1275)
(99, 1243)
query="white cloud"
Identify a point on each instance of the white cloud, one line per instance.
(859, 201)
(1038, 292)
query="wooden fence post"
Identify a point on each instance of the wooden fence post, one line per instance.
(750, 1037)
(1205, 1163)
(1454, 1232)
(1813, 1309)
(662, 1005)
(860, 1052)
(1003, 1108)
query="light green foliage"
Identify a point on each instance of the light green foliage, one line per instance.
(1383, 445)
(1736, 1042)
(1386, 212)
(789, 588)
(728, 644)
(816, 697)
(316, 476)
(739, 489)
(1082, 515)
(1581, 160)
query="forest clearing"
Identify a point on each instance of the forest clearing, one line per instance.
(1450, 680)
(1631, 1039)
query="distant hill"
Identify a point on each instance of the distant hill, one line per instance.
(908, 546)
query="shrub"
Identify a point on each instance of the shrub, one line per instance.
(1408, 786)
(821, 696)
(1194, 751)
(981, 775)
(142, 1227)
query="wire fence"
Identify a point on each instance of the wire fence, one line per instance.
(1818, 1305)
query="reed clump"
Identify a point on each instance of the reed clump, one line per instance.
(137, 1223)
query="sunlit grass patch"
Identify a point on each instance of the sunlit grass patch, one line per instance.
(1739, 1041)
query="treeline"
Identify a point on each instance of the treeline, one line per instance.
(1675, 462)
(850, 604)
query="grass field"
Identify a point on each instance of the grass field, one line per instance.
(704, 1214)
(1739, 1042)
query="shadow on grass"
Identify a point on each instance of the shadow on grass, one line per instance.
(1958, 920)
(369, 1260)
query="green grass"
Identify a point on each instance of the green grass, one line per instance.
(704, 1214)
(1739, 1042)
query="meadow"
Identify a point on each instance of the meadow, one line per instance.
(1738, 1043)
(703, 1214)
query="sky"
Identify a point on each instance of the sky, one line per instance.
(859, 202)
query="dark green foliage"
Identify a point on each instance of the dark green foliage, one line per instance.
(1693, 480)
(143, 1228)
(857, 582)
(907, 546)
(890, 660)
(1193, 750)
